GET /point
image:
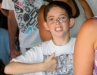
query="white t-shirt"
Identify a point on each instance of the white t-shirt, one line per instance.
(39, 53)
(26, 16)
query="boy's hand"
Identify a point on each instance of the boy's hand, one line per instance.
(50, 63)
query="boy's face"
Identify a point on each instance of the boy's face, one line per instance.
(58, 22)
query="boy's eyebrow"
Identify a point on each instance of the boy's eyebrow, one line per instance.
(50, 16)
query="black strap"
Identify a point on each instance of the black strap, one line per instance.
(77, 10)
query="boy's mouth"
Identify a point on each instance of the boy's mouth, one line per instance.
(58, 29)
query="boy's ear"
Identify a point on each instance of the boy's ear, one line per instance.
(46, 26)
(72, 21)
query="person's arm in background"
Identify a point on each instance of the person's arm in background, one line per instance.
(85, 46)
(87, 9)
(12, 29)
(12, 26)
(49, 64)
(45, 35)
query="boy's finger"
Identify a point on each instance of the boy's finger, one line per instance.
(52, 56)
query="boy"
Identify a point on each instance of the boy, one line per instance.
(58, 20)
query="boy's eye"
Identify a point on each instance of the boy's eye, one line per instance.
(60, 19)
(63, 18)
(51, 19)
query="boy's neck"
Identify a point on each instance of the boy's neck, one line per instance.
(60, 41)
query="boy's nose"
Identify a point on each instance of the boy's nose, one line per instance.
(57, 22)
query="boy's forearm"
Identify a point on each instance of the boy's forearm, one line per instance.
(23, 68)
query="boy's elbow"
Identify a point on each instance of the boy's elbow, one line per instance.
(7, 69)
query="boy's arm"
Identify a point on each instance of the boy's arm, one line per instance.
(87, 9)
(20, 68)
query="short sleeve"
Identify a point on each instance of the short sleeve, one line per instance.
(8, 5)
(33, 55)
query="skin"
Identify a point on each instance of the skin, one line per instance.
(0, 6)
(20, 68)
(87, 9)
(85, 46)
(61, 36)
(45, 35)
(12, 29)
